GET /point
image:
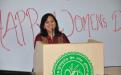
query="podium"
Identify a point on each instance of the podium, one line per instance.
(69, 59)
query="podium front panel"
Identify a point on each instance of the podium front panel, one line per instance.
(69, 59)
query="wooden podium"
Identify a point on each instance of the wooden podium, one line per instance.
(69, 59)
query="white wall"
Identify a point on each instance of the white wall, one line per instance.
(80, 19)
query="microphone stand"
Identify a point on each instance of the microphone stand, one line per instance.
(52, 35)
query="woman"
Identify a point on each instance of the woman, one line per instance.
(50, 33)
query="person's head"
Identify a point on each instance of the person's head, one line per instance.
(49, 24)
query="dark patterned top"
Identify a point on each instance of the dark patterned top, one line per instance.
(47, 40)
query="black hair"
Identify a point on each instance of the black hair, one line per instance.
(43, 31)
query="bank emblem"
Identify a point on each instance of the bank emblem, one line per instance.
(73, 63)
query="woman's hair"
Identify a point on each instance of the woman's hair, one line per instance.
(43, 30)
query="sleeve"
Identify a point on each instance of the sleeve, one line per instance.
(65, 39)
(37, 38)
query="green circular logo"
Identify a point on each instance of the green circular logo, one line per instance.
(73, 63)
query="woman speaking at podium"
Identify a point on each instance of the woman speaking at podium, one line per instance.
(49, 31)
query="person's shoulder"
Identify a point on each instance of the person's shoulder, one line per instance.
(39, 35)
(65, 39)
(63, 34)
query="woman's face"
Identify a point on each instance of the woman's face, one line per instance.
(50, 24)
